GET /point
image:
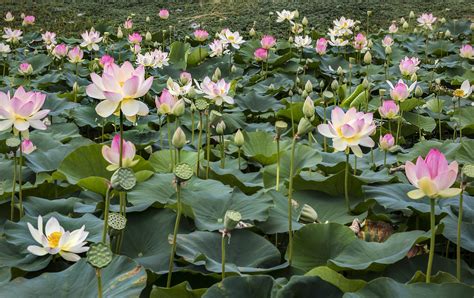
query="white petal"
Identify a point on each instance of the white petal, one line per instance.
(69, 256)
(106, 108)
(52, 226)
(37, 250)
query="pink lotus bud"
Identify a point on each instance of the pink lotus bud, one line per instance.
(128, 24)
(27, 146)
(389, 109)
(165, 103)
(106, 60)
(136, 49)
(185, 77)
(321, 46)
(360, 42)
(386, 142)
(164, 14)
(387, 41)
(393, 28)
(112, 154)
(260, 54)
(268, 42)
(466, 51)
(25, 69)
(409, 66)
(75, 55)
(60, 51)
(400, 91)
(201, 35)
(28, 20)
(135, 38)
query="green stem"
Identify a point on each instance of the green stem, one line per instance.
(199, 144)
(278, 164)
(238, 156)
(12, 203)
(106, 215)
(385, 158)
(99, 282)
(223, 257)
(355, 165)
(399, 124)
(169, 142)
(439, 118)
(346, 184)
(121, 138)
(175, 233)
(432, 240)
(20, 182)
(459, 121)
(208, 144)
(290, 202)
(192, 126)
(222, 151)
(458, 241)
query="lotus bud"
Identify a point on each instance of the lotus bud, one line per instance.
(239, 139)
(321, 85)
(280, 127)
(290, 39)
(147, 19)
(308, 214)
(179, 138)
(334, 85)
(415, 30)
(442, 20)
(368, 58)
(220, 127)
(340, 71)
(119, 32)
(303, 92)
(231, 220)
(305, 21)
(156, 44)
(357, 28)
(412, 15)
(418, 91)
(149, 149)
(308, 108)
(308, 87)
(447, 33)
(304, 126)
(370, 43)
(75, 87)
(298, 81)
(217, 75)
(405, 25)
(388, 50)
(365, 83)
(472, 26)
(382, 92)
(296, 13)
(369, 13)
(252, 32)
(413, 77)
(438, 81)
(402, 20)
(178, 108)
(148, 36)
(290, 93)
(233, 68)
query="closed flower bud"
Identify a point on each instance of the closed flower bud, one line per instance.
(303, 93)
(304, 126)
(308, 86)
(418, 91)
(239, 138)
(147, 19)
(178, 108)
(365, 83)
(388, 50)
(412, 14)
(305, 21)
(334, 85)
(438, 81)
(369, 13)
(233, 68)
(415, 30)
(296, 14)
(321, 85)
(290, 39)
(252, 32)
(231, 219)
(75, 87)
(340, 71)
(308, 108)
(217, 75)
(308, 214)
(382, 92)
(368, 58)
(413, 77)
(148, 36)
(447, 33)
(220, 127)
(443, 20)
(179, 138)
(370, 43)
(119, 32)
(405, 25)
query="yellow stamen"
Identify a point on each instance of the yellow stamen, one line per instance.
(458, 93)
(53, 239)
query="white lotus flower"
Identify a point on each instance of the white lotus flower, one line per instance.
(217, 92)
(285, 15)
(218, 48)
(91, 39)
(464, 91)
(55, 240)
(232, 38)
(12, 36)
(303, 42)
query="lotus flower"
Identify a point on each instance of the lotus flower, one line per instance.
(285, 15)
(303, 41)
(432, 176)
(261, 54)
(217, 92)
(135, 38)
(387, 41)
(90, 40)
(60, 51)
(409, 66)
(28, 20)
(349, 130)
(386, 142)
(12, 36)
(218, 48)
(49, 38)
(393, 28)
(22, 110)
(176, 89)
(201, 35)
(27, 147)
(9, 17)
(343, 26)
(466, 51)
(464, 91)
(75, 55)
(166, 102)
(119, 87)
(112, 154)
(400, 91)
(106, 60)
(232, 38)
(360, 42)
(337, 41)
(155, 59)
(128, 24)
(25, 68)
(4, 48)
(268, 42)
(389, 109)
(426, 21)
(321, 46)
(55, 240)
(164, 14)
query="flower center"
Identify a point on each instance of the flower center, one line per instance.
(458, 93)
(53, 239)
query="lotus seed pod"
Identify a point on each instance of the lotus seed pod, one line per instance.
(280, 127)
(252, 32)
(119, 32)
(334, 85)
(179, 138)
(215, 116)
(382, 92)
(328, 94)
(99, 255)
(368, 58)
(308, 214)
(388, 50)
(239, 139)
(468, 170)
(123, 179)
(220, 127)
(304, 126)
(13, 142)
(308, 86)
(412, 15)
(305, 21)
(148, 36)
(183, 172)
(340, 71)
(178, 109)
(308, 108)
(117, 221)
(231, 219)
(418, 91)
(405, 25)
(217, 75)
(201, 104)
(414, 77)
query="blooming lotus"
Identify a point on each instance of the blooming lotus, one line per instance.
(55, 240)
(232, 38)
(268, 42)
(75, 55)
(128, 24)
(285, 15)
(337, 41)
(260, 54)
(409, 66)
(155, 59)
(360, 42)
(12, 36)
(426, 21)
(176, 89)
(118, 87)
(400, 91)
(60, 51)
(296, 28)
(200, 35)
(22, 110)
(464, 91)
(387, 41)
(166, 102)
(321, 46)
(303, 41)
(135, 38)
(218, 48)
(393, 28)
(217, 92)
(389, 109)
(28, 20)
(4, 48)
(25, 68)
(466, 51)
(27, 146)
(432, 176)
(112, 154)
(164, 14)
(90, 40)
(9, 17)
(343, 25)
(386, 142)
(349, 130)
(135, 48)
(105, 60)
(49, 38)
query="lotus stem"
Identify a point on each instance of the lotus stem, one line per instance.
(290, 201)
(432, 240)
(121, 138)
(222, 151)
(278, 164)
(12, 203)
(208, 144)
(192, 126)
(346, 184)
(458, 241)
(355, 165)
(439, 117)
(169, 142)
(99, 282)
(199, 144)
(20, 190)
(106, 215)
(223, 257)
(175, 233)
(385, 158)
(459, 121)
(399, 124)
(238, 156)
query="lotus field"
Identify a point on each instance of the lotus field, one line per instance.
(238, 164)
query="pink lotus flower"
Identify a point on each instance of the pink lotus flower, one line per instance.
(25, 68)
(217, 92)
(49, 38)
(426, 21)
(466, 51)
(164, 14)
(165, 103)
(60, 51)
(386, 142)
(112, 154)
(135, 38)
(409, 66)
(349, 130)
(261, 54)
(389, 109)
(27, 146)
(119, 87)
(393, 28)
(106, 60)
(201, 35)
(387, 41)
(90, 40)
(400, 91)
(28, 20)
(128, 24)
(360, 42)
(22, 110)
(268, 42)
(12, 36)
(432, 176)
(321, 46)
(218, 48)
(75, 55)
(185, 78)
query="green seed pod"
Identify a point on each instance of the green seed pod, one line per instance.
(179, 138)
(117, 221)
(231, 219)
(99, 255)
(123, 179)
(280, 127)
(183, 172)
(239, 139)
(13, 142)
(201, 104)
